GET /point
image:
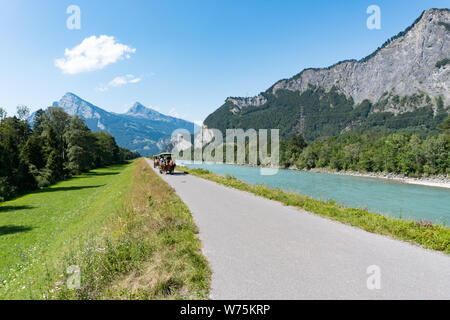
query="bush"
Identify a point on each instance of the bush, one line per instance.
(442, 63)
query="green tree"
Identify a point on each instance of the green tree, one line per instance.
(33, 151)
(54, 126)
(307, 158)
(352, 156)
(23, 112)
(366, 161)
(80, 146)
(292, 150)
(393, 147)
(107, 151)
(38, 121)
(436, 152)
(3, 114)
(15, 174)
(445, 125)
(411, 158)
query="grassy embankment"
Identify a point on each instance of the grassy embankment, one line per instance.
(128, 232)
(434, 237)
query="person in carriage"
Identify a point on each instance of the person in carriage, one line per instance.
(166, 163)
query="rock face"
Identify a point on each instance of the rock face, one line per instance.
(140, 129)
(74, 105)
(244, 102)
(405, 65)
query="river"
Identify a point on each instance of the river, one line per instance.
(394, 199)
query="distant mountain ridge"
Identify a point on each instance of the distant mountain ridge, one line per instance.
(139, 110)
(139, 129)
(409, 77)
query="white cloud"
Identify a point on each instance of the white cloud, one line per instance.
(93, 54)
(119, 81)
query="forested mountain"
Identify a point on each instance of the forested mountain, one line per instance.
(402, 86)
(141, 129)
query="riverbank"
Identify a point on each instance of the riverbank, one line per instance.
(434, 181)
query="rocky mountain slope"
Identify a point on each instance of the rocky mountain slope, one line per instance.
(140, 129)
(403, 84)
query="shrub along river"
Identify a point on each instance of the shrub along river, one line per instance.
(394, 199)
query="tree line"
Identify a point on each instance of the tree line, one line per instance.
(373, 151)
(53, 147)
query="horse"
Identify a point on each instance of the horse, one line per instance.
(156, 163)
(163, 167)
(167, 166)
(171, 166)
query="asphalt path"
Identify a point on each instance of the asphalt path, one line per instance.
(261, 249)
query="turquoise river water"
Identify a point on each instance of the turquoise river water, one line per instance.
(394, 199)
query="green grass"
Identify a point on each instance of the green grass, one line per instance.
(434, 237)
(37, 229)
(125, 228)
(150, 250)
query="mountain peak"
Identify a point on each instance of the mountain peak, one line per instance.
(70, 95)
(74, 105)
(139, 110)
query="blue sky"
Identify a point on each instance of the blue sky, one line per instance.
(181, 57)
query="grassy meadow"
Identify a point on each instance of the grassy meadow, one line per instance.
(126, 230)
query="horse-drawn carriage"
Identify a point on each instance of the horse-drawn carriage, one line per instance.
(165, 163)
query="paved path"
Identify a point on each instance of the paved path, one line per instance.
(260, 249)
